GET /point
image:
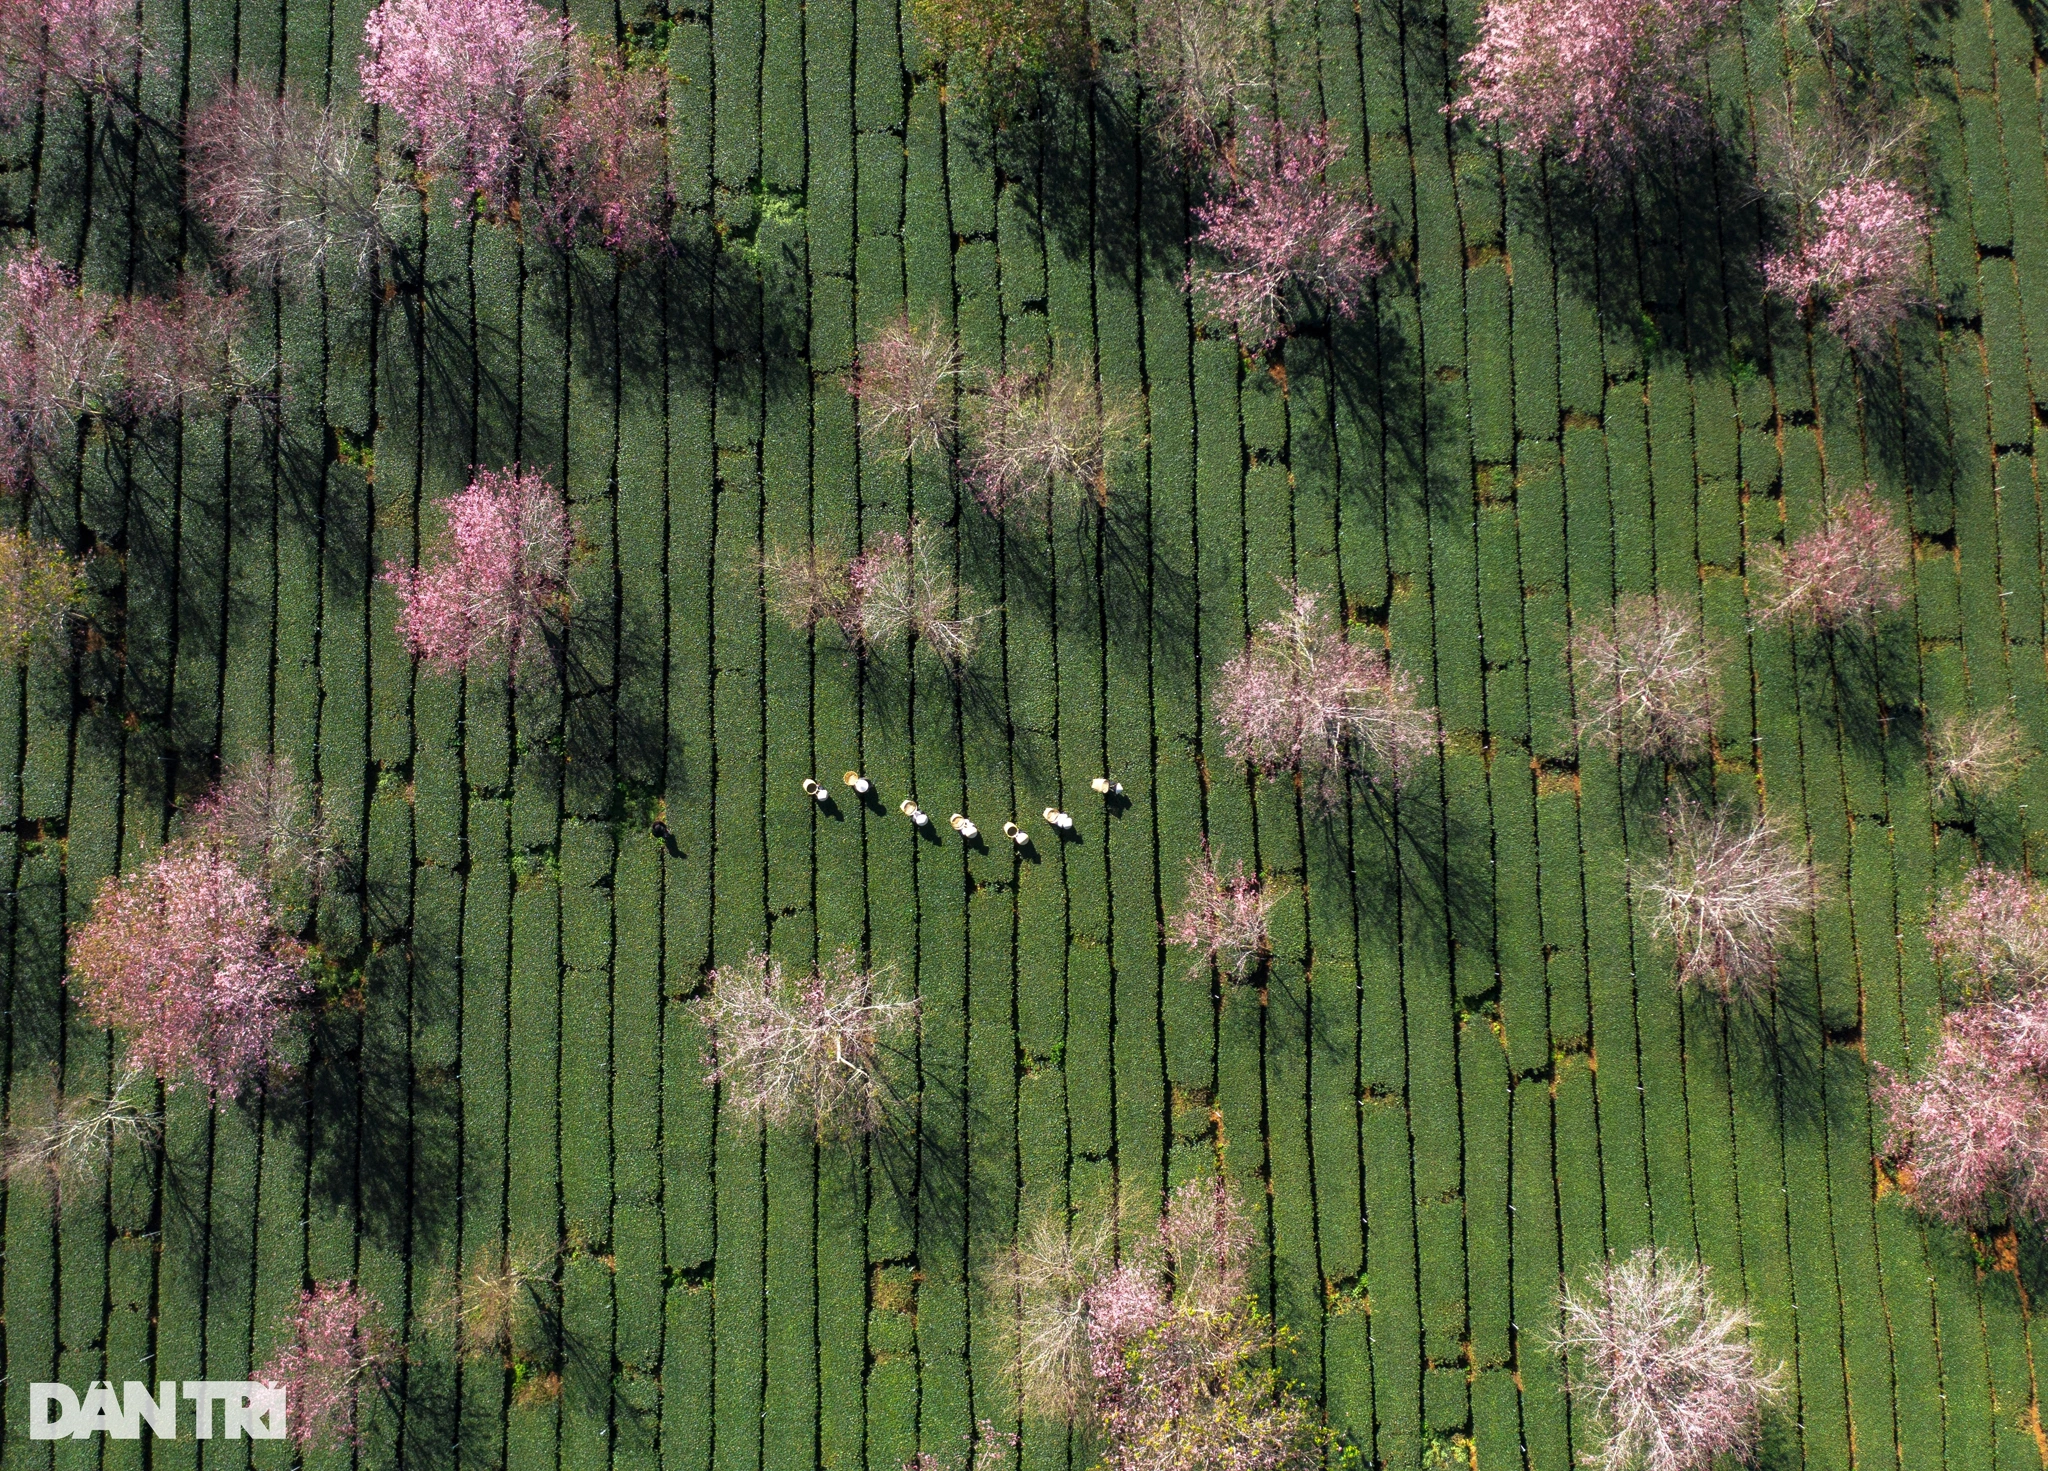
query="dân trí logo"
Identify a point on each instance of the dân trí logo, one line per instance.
(247, 1407)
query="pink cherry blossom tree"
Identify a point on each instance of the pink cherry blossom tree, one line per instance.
(184, 959)
(985, 1448)
(1842, 574)
(808, 1045)
(177, 353)
(1180, 1353)
(42, 598)
(604, 151)
(1277, 231)
(1860, 255)
(1648, 675)
(58, 361)
(472, 81)
(53, 48)
(289, 187)
(1665, 1368)
(502, 581)
(1224, 919)
(1304, 697)
(338, 1350)
(1971, 1124)
(1991, 930)
(1592, 82)
(1725, 896)
(905, 380)
(66, 353)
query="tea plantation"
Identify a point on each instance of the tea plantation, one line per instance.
(1467, 1072)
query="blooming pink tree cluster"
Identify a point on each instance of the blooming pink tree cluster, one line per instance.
(338, 1349)
(1648, 675)
(496, 91)
(1725, 896)
(604, 151)
(1665, 1368)
(287, 186)
(807, 1045)
(1971, 1124)
(185, 960)
(1164, 1355)
(65, 353)
(1861, 256)
(52, 47)
(1842, 574)
(1592, 82)
(1224, 921)
(187, 957)
(1278, 229)
(502, 581)
(1304, 697)
(900, 586)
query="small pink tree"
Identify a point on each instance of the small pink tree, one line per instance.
(1843, 574)
(339, 1349)
(1302, 697)
(287, 186)
(1992, 931)
(1279, 230)
(604, 148)
(1163, 1356)
(986, 1448)
(1594, 82)
(1972, 1124)
(503, 582)
(905, 381)
(786, 1046)
(1224, 921)
(65, 46)
(1861, 255)
(471, 79)
(1666, 1369)
(1725, 896)
(184, 959)
(1649, 681)
(42, 597)
(1047, 440)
